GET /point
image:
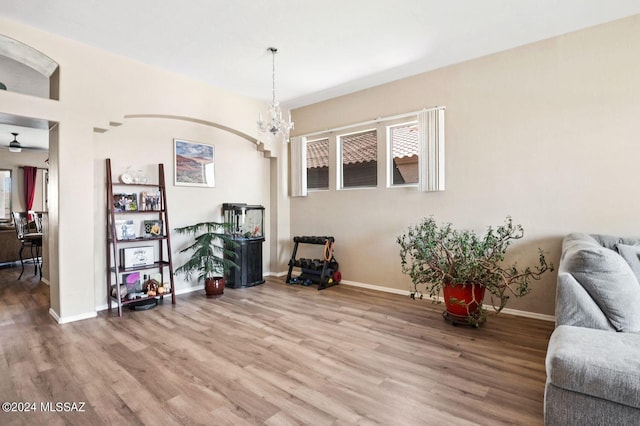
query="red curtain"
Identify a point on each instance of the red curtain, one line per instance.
(29, 186)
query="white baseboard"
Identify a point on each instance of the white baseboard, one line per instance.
(64, 320)
(377, 287)
(401, 292)
(398, 291)
(45, 281)
(189, 290)
(54, 315)
(527, 314)
(509, 311)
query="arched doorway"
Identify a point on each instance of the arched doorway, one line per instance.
(28, 72)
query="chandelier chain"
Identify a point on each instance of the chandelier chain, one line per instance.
(273, 74)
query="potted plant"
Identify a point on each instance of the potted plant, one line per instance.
(463, 265)
(210, 255)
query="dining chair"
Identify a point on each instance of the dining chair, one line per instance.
(37, 221)
(29, 238)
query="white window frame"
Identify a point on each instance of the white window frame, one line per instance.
(390, 183)
(307, 142)
(339, 163)
(4, 193)
(431, 155)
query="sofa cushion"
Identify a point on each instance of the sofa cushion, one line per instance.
(599, 363)
(631, 254)
(610, 282)
(574, 306)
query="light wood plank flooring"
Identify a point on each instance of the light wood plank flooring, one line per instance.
(273, 355)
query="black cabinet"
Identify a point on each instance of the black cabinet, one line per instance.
(247, 225)
(249, 259)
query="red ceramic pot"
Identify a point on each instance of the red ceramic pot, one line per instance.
(471, 295)
(214, 287)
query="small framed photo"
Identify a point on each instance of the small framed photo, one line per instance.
(125, 202)
(151, 228)
(150, 201)
(194, 163)
(125, 229)
(132, 282)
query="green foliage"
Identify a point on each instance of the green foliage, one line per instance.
(211, 252)
(437, 255)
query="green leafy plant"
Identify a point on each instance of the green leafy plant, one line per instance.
(211, 252)
(438, 255)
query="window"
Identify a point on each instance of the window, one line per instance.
(318, 164)
(411, 146)
(359, 159)
(403, 149)
(5, 195)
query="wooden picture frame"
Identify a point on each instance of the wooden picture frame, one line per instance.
(193, 163)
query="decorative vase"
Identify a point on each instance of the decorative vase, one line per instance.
(463, 300)
(214, 287)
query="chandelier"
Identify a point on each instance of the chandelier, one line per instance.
(276, 124)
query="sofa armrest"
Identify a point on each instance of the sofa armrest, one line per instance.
(598, 363)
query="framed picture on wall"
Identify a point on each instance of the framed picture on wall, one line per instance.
(194, 163)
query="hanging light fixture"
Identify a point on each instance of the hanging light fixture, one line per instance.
(276, 124)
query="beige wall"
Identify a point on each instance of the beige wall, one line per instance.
(546, 133)
(241, 175)
(97, 88)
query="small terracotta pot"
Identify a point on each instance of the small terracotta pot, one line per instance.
(463, 293)
(214, 287)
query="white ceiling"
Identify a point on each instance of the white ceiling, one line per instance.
(326, 48)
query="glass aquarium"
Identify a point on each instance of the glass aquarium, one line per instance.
(247, 221)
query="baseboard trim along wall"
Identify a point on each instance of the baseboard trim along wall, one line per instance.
(509, 311)
(64, 320)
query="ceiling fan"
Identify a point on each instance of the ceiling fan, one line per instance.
(15, 146)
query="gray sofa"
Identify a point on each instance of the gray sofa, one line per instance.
(593, 358)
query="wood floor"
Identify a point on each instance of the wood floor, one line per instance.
(273, 355)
